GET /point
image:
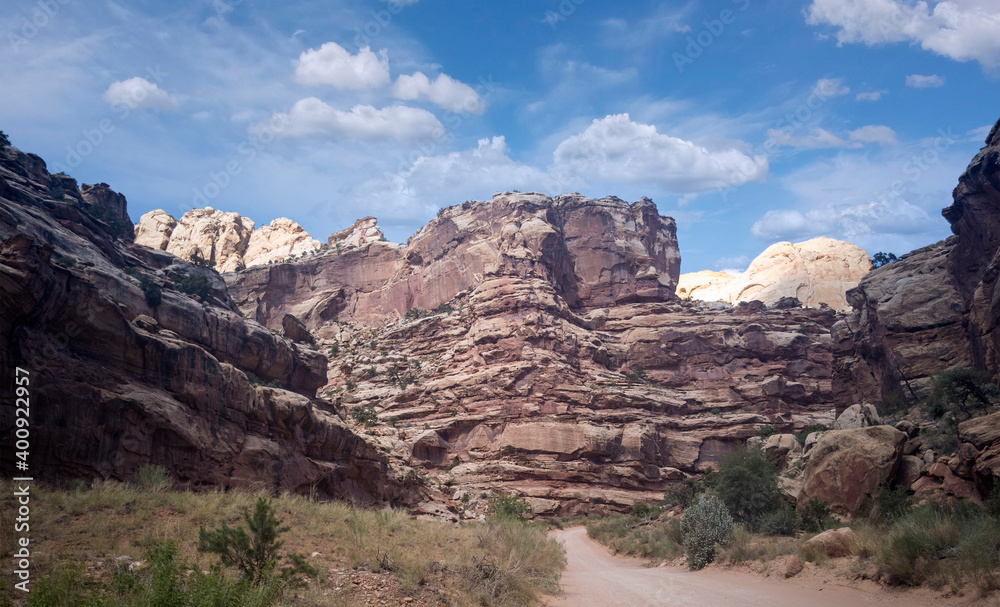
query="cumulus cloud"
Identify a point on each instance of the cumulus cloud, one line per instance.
(311, 117)
(618, 150)
(962, 30)
(871, 95)
(443, 91)
(917, 81)
(333, 65)
(854, 223)
(138, 93)
(830, 87)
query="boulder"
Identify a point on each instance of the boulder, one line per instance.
(793, 566)
(858, 416)
(847, 465)
(834, 543)
(909, 470)
(783, 447)
(295, 330)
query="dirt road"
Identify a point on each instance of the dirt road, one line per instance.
(596, 578)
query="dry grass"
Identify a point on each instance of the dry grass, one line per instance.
(94, 525)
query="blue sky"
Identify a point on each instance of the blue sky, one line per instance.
(749, 121)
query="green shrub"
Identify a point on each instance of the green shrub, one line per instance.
(684, 493)
(889, 506)
(68, 588)
(195, 284)
(642, 510)
(154, 296)
(747, 484)
(815, 516)
(4, 140)
(704, 525)
(767, 430)
(659, 539)
(254, 549)
(199, 261)
(782, 521)
(444, 309)
(364, 414)
(801, 436)
(881, 258)
(963, 390)
(507, 506)
(637, 374)
(334, 349)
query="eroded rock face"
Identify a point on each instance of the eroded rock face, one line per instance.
(816, 272)
(119, 382)
(592, 252)
(227, 239)
(936, 308)
(364, 231)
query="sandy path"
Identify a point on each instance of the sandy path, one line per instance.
(596, 578)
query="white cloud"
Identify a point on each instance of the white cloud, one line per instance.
(871, 95)
(443, 91)
(816, 139)
(311, 117)
(917, 81)
(874, 133)
(821, 138)
(618, 150)
(959, 29)
(830, 87)
(139, 93)
(444, 179)
(334, 65)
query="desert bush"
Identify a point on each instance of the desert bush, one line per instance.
(151, 290)
(747, 484)
(815, 516)
(195, 284)
(254, 549)
(636, 374)
(660, 540)
(364, 414)
(153, 478)
(704, 525)
(801, 436)
(781, 521)
(641, 510)
(4, 140)
(888, 506)
(518, 561)
(505, 505)
(683, 493)
(962, 390)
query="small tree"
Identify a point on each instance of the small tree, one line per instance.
(748, 484)
(880, 259)
(4, 141)
(964, 389)
(254, 549)
(704, 525)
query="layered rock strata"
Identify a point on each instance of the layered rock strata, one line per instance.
(127, 368)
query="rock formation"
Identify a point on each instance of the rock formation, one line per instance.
(127, 369)
(592, 252)
(816, 272)
(229, 240)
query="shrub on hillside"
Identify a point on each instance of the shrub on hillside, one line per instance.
(507, 506)
(704, 525)
(195, 284)
(747, 484)
(254, 549)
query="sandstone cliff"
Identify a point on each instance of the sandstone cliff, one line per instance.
(227, 239)
(128, 367)
(816, 272)
(937, 307)
(592, 252)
